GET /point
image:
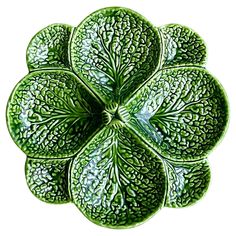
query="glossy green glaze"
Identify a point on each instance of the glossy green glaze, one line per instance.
(47, 179)
(117, 116)
(116, 180)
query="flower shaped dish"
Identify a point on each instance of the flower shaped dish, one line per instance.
(117, 116)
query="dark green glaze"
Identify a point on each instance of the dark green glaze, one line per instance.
(117, 116)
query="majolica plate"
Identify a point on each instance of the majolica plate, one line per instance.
(117, 116)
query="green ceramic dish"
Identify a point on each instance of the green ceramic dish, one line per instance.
(117, 116)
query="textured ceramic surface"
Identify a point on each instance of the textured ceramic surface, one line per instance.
(117, 116)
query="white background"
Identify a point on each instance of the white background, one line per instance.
(22, 214)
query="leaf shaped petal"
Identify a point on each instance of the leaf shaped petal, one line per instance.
(51, 113)
(181, 112)
(48, 179)
(49, 48)
(181, 46)
(116, 181)
(187, 182)
(114, 50)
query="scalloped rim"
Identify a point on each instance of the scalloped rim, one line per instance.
(73, 30)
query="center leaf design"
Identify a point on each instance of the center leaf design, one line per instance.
(114, 50)
(116, 180)
(180, 112)
(54, 114)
